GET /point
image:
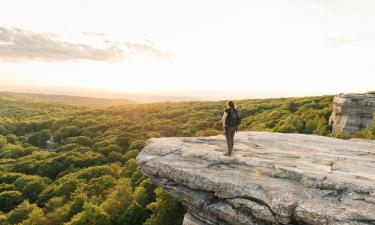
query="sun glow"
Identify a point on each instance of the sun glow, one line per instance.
(242, 46)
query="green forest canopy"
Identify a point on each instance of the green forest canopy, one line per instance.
(73, 165)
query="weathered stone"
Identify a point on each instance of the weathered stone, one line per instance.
(271, 178)
(352, 112)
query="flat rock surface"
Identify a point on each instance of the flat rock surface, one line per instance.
(271, 178)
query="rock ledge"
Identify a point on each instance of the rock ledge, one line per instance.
(271, 178)
(352, 112)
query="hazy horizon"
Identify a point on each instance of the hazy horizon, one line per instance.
(197, 49)
(158, 96)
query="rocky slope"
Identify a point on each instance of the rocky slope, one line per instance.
(271, 178)
(352, 112)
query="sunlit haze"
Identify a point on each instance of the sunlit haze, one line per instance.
(273, 47)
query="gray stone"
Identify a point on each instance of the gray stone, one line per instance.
(271, 178)
(352, 112)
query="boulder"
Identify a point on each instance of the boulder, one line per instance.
(271, 178)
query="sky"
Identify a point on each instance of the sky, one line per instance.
(288, 47)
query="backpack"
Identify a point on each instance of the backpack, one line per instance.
(234, 117)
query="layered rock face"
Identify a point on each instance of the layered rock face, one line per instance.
(352, 112)
(271, 178)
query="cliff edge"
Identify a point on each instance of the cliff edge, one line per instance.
(352, 112)
(271, 178)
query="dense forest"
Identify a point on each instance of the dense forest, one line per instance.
(75, 165)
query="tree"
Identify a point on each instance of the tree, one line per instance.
(141, 196)
(22, 140)
(145, 192)
(7, 187)
(98, 188)
(64, 189)
(69, 131)
(36, 217)
(138, 144)
(44, 136)
(292, 107)
(115, 157)
(118, 200)
(3, 218)
(98, 171)
(40, 138)
(32, 190)
(16, 151)
(33, 139)
(129, 168)
(91, 214)
(166, 210)
(56, 212)
(123, 139)
(3, 141)
(9, 200)
(81, 140)
(131, 154)
(67, 188)
(292, 124)
(11, 138)
(3, 130)
(21, 212)
(77, 205)
(137, 177)
(53, 204)
(49, 168)
(134, 215)
(9, 178)
(108, 149)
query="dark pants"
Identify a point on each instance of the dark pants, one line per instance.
(229, 134)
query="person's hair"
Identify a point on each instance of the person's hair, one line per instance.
(231, 104)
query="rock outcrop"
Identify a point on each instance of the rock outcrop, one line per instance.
(271, 178)
(352, 112)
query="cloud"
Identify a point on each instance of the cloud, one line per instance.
(146, 48)
(336, 42)
(19, 46)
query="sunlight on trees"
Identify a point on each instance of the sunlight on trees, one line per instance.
(70, 165)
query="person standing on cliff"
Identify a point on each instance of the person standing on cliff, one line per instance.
(231, 119)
